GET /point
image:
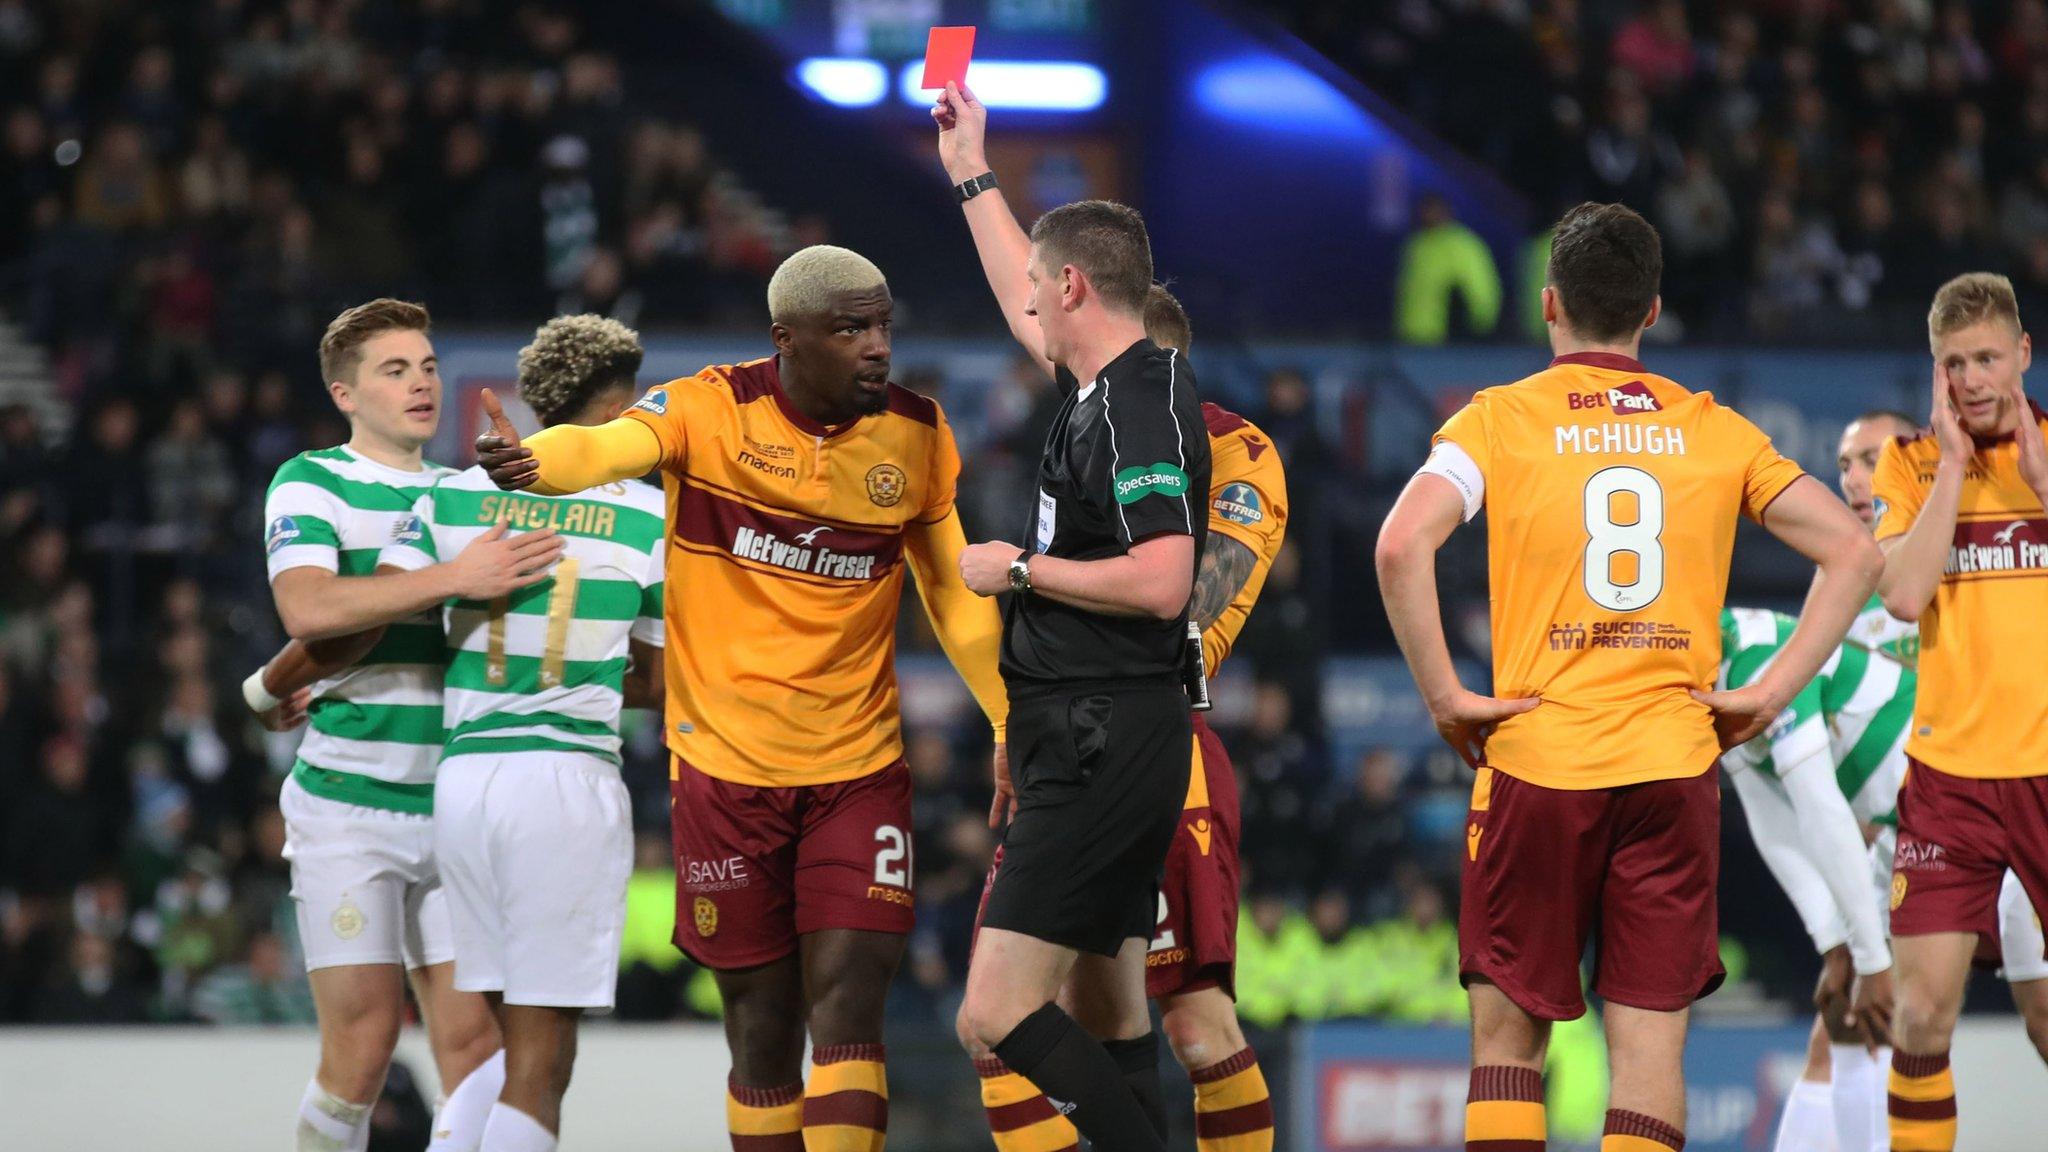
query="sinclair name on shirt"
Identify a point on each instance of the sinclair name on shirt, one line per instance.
(806, 553)
(1616, 438)
(1982, 547)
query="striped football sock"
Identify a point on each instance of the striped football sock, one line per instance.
(1019, 1116)
(1233, 1112)
(846, 1103)
(1635, 1132)
(1504, 1110)
(765, 1119)
(1922, 1103)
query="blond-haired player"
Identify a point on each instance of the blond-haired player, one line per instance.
(1961, 521)
(799, 487)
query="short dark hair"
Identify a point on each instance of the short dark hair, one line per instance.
(341, 348)
(1107, 241)
(1606, 263)
(1887, 414)
(572, 361)
(1166, 322)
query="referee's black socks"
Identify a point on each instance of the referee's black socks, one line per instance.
(1092, 1088)
(1139, 1059)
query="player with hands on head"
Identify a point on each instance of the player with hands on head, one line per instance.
(1960, 518)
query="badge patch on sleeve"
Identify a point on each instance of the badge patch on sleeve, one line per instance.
(282, 532)
(1161, 479)
(1239, 504)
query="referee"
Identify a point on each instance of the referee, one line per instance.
(1095, 657)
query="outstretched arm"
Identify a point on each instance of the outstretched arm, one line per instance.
(999, 240)
(567, 457)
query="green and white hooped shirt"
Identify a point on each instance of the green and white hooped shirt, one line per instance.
(374, 733)
(1860, 707)
(543, 669)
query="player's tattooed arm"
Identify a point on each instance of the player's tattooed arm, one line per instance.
(1226, 565)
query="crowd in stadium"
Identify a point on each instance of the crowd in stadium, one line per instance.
(185, 203)
(190, 191)
(1835, 161)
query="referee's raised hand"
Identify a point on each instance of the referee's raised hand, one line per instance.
(509, 466)
(963, 127)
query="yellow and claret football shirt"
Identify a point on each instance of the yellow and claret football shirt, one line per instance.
(1611, 499)
(1248, 504)
(785, 572)
(1982, 710)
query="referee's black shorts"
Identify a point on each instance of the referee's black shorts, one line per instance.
(1101, 773)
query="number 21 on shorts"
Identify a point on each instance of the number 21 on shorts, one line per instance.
(1624, 556)
(893, 857)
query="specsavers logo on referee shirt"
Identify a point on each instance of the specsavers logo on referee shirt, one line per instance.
(1161, 479)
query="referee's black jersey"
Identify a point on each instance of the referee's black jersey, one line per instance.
(1127, 459)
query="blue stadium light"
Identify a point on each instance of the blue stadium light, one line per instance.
(1278, 95)
(1023, 85)
(847, 81)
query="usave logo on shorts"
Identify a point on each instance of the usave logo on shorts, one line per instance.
(1160, 479)
(1630, 399)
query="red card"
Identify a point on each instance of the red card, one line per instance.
(946, 55)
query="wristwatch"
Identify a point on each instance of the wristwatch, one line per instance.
(1020, 574)
(970, 188)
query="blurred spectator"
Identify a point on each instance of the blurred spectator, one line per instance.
(1276, 949)
(119, 186)
(91, 988)
(1415, 961)
(1656, 47)
(1278, 774)
(55, 837)
(1443, 260)
(189, 477)
(264, 989)
(1342, 978)
(1365, 834)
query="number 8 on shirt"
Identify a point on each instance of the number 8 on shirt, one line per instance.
(1612, 496)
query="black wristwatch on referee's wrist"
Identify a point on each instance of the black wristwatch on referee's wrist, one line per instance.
(1020, 574)
(974, 186)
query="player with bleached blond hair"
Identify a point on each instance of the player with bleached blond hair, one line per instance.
(799, 487)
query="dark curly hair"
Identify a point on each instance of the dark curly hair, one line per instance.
(571, 360)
